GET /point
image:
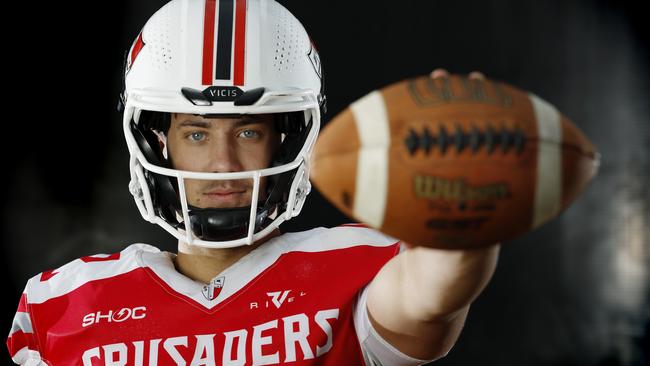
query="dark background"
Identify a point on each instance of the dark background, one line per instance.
(573, 292)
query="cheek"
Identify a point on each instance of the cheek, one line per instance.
(272, 147)
(263, 189)
(257, 157)
(172, 152)
(193, 191)
(180, 158)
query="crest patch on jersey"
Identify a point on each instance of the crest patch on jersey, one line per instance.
(213, 289)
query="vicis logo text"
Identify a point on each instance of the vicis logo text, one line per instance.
(222, 93)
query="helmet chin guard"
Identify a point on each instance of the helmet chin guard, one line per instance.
(213, 224)
(272, 68)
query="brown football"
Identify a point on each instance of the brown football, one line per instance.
(452, 162)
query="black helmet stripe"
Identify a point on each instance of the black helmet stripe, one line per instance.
(231, 28)
(224, 40)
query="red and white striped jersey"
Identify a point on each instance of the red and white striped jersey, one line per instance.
(298, 299)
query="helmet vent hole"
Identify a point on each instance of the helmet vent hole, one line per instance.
(160, 39)
(289, 45)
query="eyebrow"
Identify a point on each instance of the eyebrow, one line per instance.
(206, 124)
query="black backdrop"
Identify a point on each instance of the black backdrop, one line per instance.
(573, 292)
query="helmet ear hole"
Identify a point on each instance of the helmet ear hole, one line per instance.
(165, 196)
(293, 126)
(149, 145)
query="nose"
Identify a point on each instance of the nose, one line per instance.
(224, 156)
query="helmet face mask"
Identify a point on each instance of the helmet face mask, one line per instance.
(289, 89)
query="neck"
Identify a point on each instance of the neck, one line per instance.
(203, 264)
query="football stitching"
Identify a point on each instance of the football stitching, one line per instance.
(476, 138)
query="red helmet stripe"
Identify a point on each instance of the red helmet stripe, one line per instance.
(137, 46)
(240, 42)
(208, 41)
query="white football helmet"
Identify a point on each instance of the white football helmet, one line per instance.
(212, 58)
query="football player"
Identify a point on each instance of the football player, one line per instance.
(222, 104)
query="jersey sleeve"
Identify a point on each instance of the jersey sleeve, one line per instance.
(22, 342)
(376, 350)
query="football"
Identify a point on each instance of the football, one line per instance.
(452, 162)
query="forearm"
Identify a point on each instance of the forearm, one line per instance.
(439, 283)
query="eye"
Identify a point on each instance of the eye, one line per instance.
(249, 134)
(196, 136)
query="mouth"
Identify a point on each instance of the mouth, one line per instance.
(225, 196)
(224, 192)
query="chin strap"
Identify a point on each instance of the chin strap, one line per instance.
(226, 223)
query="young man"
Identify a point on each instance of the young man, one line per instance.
(222, 106)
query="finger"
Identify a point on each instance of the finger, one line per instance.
(476, 75)
(439, 73)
